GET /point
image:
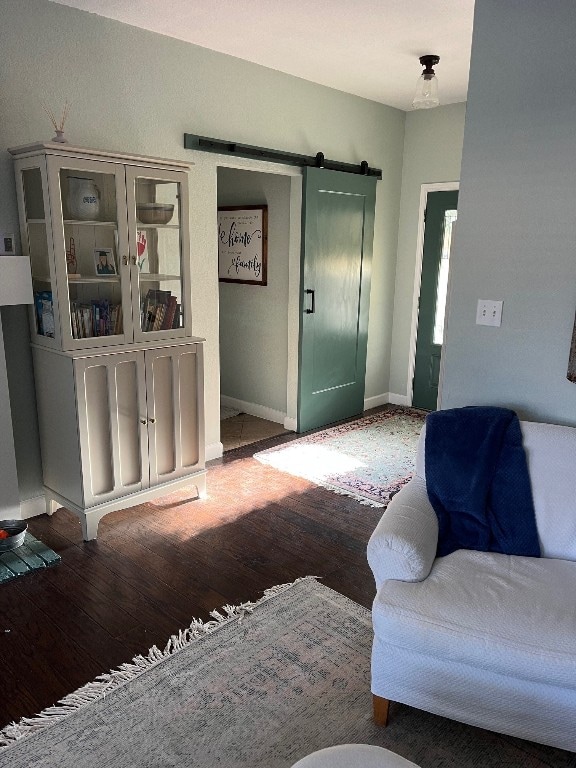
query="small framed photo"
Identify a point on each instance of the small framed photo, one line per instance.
(7, 244)
(104, 263)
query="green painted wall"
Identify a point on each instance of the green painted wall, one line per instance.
(139, 92)
(432, 154)
(516, 234)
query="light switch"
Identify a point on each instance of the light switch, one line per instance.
(489, 312)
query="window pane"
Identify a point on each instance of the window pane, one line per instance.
(442, 283)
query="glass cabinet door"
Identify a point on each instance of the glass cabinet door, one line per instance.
(91, 252)
(36, 237)
(157, 221)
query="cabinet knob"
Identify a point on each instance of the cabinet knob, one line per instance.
(134, 260)
(125, 260)
(142, 421)
(152, 421)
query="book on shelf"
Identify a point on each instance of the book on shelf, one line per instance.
(44, 313)
(170, 313)
(96, 318)
(159, 309)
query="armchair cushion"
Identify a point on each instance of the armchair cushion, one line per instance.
(510, 615)
(403, 546)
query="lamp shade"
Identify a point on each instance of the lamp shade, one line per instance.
(426, 95)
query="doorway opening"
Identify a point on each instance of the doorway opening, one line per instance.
(438, 216)
(254, 319)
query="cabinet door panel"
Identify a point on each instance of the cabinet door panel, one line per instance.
(175, 426)
(188, 409)
(111, 407)
(98, 428)
(127, 423)
(160, 383)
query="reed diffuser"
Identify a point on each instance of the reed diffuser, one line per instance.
(58, 126)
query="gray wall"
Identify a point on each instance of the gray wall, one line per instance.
(9, 490)
(135, 91)
(23, 400)
(516, 234)
(432, 153)
(254, 319)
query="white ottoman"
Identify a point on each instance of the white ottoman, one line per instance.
(354, 756)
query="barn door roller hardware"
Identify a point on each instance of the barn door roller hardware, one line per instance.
(221, 147)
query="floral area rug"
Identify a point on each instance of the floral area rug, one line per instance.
(369, 459)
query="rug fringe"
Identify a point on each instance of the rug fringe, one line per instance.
(109, 681)
(363, 500)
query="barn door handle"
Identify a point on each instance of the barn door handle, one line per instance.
(313, 305)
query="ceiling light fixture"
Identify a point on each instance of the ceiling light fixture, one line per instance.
(426, 95)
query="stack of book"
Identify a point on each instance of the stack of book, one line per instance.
(99, 318)
(160, 311)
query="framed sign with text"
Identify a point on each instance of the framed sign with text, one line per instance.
(242, 244)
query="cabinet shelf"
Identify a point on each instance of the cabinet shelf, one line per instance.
(80, 280)
(139, 225)
(143, 277)
(90, 223)
(148, 276)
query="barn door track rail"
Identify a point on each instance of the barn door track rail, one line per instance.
(219, 146)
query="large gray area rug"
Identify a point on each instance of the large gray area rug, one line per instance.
(259, 687)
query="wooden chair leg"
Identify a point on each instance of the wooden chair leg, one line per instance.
(380, 708)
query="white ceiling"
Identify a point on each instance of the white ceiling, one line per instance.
(366, 47)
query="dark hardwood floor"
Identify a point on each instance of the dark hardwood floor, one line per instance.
(156, 566)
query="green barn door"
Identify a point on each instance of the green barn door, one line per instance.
(441, 211)
(337, 233)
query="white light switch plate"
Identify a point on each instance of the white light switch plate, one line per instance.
(489, 312)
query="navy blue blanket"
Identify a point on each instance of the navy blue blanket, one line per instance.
(478, 483)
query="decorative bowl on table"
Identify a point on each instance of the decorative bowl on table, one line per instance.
(12, 534)
(154, 213)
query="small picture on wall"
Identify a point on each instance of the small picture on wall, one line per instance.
(104, 263)
(243, 244)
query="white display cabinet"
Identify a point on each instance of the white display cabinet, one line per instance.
(109, 246)
(119, 377)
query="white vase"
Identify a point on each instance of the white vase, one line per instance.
(83, 198)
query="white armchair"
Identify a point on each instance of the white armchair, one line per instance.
(483, 638)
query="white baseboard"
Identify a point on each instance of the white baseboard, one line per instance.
(253, 409)
(214, 451)
(398, 399)
(374, 402)
(291, 424)
(384, 399)
(32, 507)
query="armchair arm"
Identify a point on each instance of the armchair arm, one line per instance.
(403, 546)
